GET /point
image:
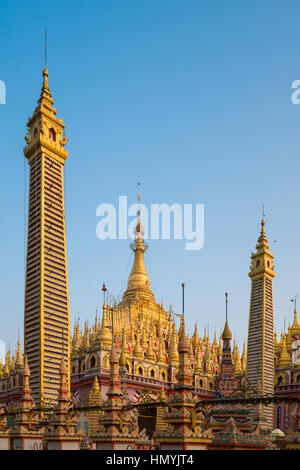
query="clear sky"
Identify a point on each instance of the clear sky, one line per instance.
(191, 98)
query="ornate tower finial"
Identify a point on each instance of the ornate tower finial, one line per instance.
(138, 282)
(139, 229)
(226, 332)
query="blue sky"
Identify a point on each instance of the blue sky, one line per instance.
(193, 99)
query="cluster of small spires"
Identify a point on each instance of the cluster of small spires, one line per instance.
(13, 362)
(153, 342)
(284, 348)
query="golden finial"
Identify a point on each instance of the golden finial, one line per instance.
(150, 353)
(96, 388)
(284, 357)
(244, 357)
(237, 363)
(139, 231)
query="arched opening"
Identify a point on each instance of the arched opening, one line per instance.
(140, 371)
(93, 362)
(52, 134)
(280, 380)
(278, 417)
(147, 420)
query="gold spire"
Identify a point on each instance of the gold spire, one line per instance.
(105, 335)
(281, 341)
(95, 388)
(295, 325)
(235, 351)
(276, 344)
(132, 338)
(195, 337)
(46, 99)
(215, 343)
(95, 399)
(226, 332)
(207, 360)
(137, 352)
(198, 367)
(191, 351)
(289, 341)
(244, 358)
(162, 395)
(6, 367)
(19, 360)
(86, 337)
(284, 358)
(161, 356)
(262, 260)
(237, 363)
(173, 350)
(220, 348)
(144, 339)
(138, 282)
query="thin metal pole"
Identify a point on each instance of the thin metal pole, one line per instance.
(45, 47)
(182, 285)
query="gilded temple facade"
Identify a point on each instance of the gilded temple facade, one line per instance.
(46, 315)
(89, 388)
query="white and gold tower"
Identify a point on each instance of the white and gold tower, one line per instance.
(260, 355)
(46, 319)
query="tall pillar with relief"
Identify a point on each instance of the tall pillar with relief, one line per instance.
(260, 354)
(46, 316)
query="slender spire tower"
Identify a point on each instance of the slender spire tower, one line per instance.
(138, 282)
(260, 354)
(46, 319)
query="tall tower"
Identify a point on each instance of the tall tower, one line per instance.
(46, 319)
(260, 355)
